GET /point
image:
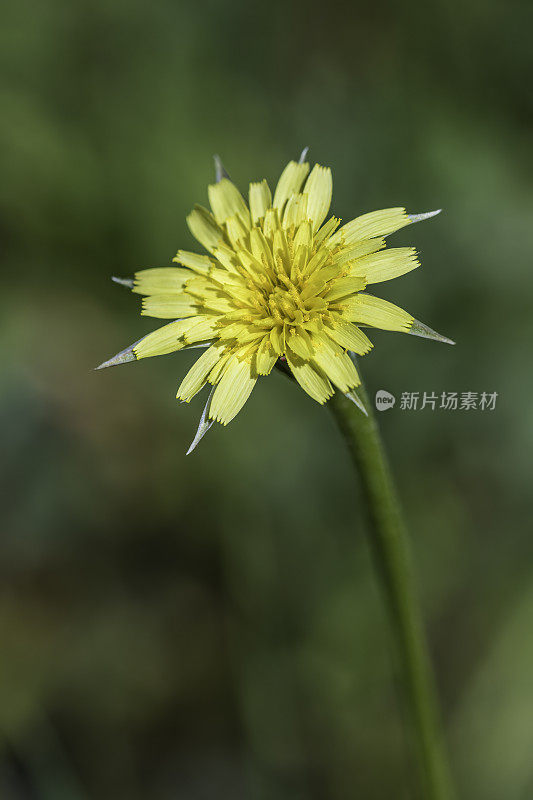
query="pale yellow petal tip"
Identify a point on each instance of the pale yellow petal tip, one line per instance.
(419, 329)
(121, 358)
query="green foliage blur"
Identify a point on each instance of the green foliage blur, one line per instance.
(211, 627)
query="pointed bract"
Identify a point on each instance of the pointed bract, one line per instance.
(204, 425)
(425, 215)
(121, 358)
(123, 281)
(220, 170)
(354, 396)
(419, 329)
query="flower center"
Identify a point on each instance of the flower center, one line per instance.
(285, 305)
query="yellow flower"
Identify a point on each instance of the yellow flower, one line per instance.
(280, 285)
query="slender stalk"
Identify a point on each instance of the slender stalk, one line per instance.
(391, 552)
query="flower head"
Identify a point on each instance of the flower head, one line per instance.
(281, 283)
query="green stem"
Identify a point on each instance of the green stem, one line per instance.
(390, 547)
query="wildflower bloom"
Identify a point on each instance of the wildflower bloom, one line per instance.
(281, 282)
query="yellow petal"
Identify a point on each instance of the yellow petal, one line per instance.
(224, 279)
(196, 377)
(200, 328)
(237, 230)
(295, 211)
(197, 287)
(386, 265)
(313, 287)
(168, 306)
(271, 223)
(375, 223)
(161, 280)
(260, 199)
(218, 369)
(304, 235)
(310, 378)
(290, 182)
(329, 272)
(265, 357)
(164, 340)
(348, 336)
(299, 261)
(327, 230)
(233, 330)
(365, 309)
(337, 364)
(260, 248)
(280, 250)
(342, 287)
(362, 248)
(226, 257)
(250, 336)
(318, 187)
(300, 345)
(203, 227)
(233, 390)
(226, 201)
(194, 261)
(277, 340)
(319, 260)
(217, 305)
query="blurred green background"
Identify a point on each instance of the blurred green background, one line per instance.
(211, 626)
